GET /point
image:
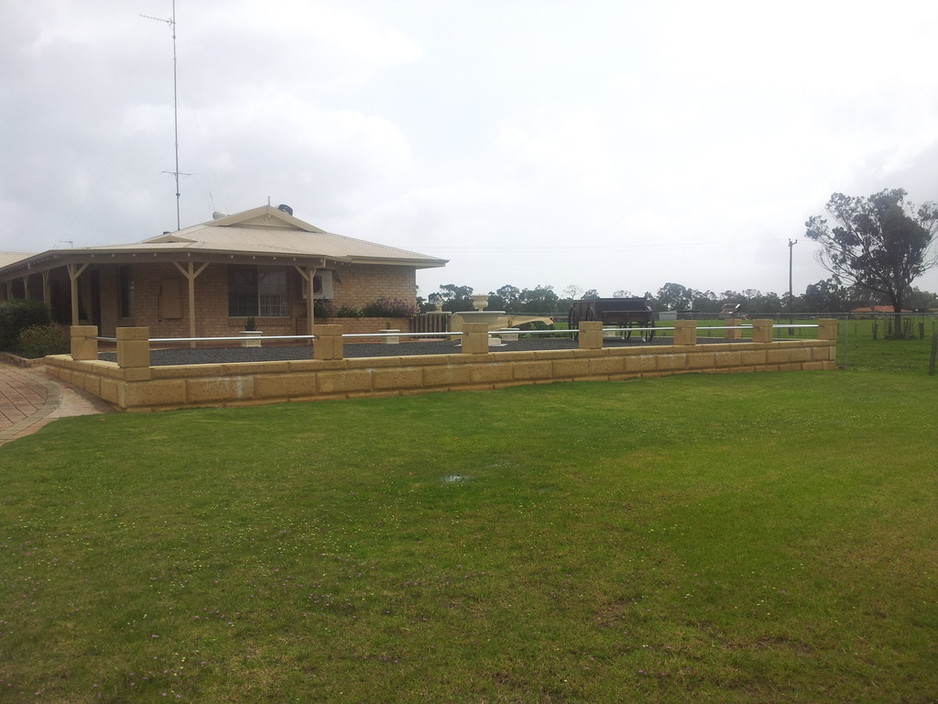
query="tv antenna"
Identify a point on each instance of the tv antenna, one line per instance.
(176, 173)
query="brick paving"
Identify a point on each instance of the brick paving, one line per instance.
(29, 400)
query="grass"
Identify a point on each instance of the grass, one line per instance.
(731, 538)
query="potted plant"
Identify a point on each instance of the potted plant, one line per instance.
(251, 333)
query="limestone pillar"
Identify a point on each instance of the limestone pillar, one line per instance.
(133, 352)
(761, 330)
(84, 342)
(591, 335)
(827, 329)
(475, 338)
(685, 332)
(328, 342)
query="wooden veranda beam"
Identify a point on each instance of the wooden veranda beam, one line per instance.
(190, 272)
(309, 275)
(74, 271)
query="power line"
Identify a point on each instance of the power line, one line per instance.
(577, 247)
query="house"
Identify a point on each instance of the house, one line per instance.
(881, 310)
(206, 280)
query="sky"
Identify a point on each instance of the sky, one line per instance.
(615, 146)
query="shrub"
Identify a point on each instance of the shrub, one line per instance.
(390, 308)
(40, 340)
(327, 309)
(323, 309)
(536, 325)
(15, 317)
(348, 312)
(380, 308)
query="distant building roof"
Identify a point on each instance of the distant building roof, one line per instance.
(875, 309)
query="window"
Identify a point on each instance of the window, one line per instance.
(242, 290)
(272, 298)
(126, 276)
(322, 285)
(261, 291)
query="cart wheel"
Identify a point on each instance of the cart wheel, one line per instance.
(649, 335)
(627, 330)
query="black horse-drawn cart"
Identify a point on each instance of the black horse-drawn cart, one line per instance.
(626, 313)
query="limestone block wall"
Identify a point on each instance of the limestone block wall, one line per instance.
(135, 386)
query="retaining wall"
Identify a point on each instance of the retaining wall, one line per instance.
(133, 385)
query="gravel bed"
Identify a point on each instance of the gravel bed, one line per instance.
(224, 355)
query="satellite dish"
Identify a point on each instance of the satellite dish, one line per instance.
(285, 208)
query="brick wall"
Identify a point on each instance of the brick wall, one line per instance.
(352, 286)
(363, 284)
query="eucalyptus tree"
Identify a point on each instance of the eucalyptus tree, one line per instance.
(880, 243)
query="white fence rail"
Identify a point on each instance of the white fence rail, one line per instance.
(387, 335)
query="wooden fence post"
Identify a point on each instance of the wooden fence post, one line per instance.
(934, 351)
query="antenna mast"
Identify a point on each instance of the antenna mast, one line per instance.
(172, 25)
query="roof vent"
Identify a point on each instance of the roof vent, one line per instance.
(285, 208)
(218, 215)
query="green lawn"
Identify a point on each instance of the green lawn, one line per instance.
(728, 538)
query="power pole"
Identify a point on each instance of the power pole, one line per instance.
(791, 312)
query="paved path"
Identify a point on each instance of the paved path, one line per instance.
(30, 400)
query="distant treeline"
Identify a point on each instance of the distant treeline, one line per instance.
(824, 296)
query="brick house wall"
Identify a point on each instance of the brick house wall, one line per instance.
(160, 298)
(363, 284)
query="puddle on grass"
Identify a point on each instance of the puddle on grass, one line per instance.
(455, 478)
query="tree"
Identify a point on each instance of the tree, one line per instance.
(921, 300)
(881, 243)
(455, 298)
(539, 300)
(768, 303)
(826, 296)
(705, 302)
(505, 298)
(674, 296)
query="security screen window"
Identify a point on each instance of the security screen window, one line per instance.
(272, 301)
(258, 291)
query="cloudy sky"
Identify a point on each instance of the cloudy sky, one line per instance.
(609, 145)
